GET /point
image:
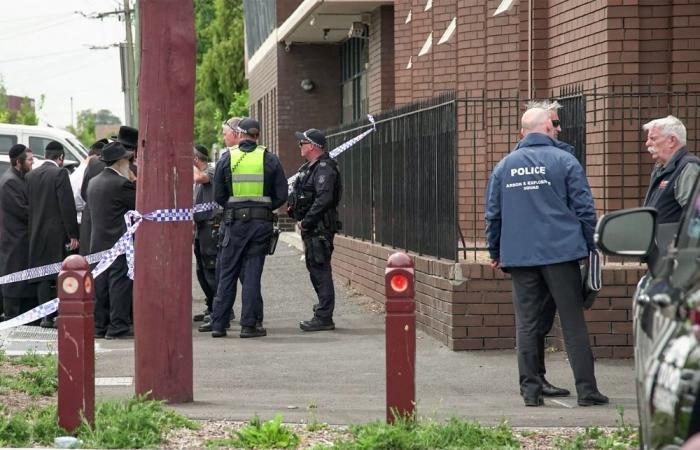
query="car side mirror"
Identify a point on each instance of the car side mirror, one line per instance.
(629, 232)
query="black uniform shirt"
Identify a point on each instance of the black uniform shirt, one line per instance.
(322, 180)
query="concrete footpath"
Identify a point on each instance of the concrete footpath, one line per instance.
(338, 377)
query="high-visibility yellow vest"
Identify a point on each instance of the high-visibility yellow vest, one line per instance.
(248, 175)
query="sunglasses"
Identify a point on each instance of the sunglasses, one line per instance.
(303, 142)
(556, 123)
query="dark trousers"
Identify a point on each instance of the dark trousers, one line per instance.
(531, 285)
(549, 310)
(14, 306)
(321, 275)
(46, 291)
(113, 299)
(206, 273)
(242, 246)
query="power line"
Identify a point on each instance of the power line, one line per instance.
(42, 28)
(45, 55)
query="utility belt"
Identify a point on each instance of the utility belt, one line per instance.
(245, 214)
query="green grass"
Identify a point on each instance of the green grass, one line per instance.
(408, 434)
(136, 423)
(41, 378)
(259, 435)
(623, 437)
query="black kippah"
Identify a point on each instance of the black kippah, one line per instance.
(17, 150)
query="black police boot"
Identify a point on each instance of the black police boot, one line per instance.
(317, 324)
(218, 334)
(549, 390)
(206, 327)
(252, 332)
(200, 317)
(533, 400)
(595, 398)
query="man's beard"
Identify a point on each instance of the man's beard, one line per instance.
(24, 168)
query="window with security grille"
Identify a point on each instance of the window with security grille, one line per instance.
(354, 56)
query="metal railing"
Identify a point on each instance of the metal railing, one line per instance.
(604, 127)
(399, 183)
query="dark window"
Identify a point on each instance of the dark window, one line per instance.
(354, 56)
(6, 142)
(260, 17)
(38, 145)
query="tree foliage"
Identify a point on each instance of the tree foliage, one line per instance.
(86, 121)
(221, 84)
(26, 114)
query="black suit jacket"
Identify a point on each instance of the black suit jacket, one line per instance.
(52, 216)
(110, 196)
(14, 232)
(94, 168)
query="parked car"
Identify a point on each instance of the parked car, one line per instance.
(37, 138)
(666, 318)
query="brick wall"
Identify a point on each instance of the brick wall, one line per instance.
(468, 306)
(299, 110)
(380, 72)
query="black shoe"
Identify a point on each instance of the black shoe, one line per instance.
(129, 334)
(99, 334)
(317, 324)
(206, 327)
(252, 332)
(48, 322)
(533, 401)
(200, 317)
(206, 318)
(218, 334)
(595, 398)
(549, 390)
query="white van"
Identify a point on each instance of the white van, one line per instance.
(37, 138)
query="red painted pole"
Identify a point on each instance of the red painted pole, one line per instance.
(76, 346)
(163, 264)
(400, 337)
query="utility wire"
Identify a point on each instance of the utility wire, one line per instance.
(41, 28)
(45, 55)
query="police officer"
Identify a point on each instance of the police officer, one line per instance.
(250, 184)
(313, 204)
(540, 219)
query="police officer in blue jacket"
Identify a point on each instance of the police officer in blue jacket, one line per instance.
(540, 222)
(250, 184)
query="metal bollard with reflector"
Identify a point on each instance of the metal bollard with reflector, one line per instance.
(400, 337)
(76, 346)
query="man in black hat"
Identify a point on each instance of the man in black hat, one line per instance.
(204, 238)
(76, 181)
(250, 184)
(19, 297)
(110, 195)
(53, 222)
(129, 138)
(95, 166)
(313, 202)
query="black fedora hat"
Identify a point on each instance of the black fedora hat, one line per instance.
(114, 151)
(128, 136)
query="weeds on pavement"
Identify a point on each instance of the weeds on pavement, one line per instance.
(623, 437)
(259, 435)
(136, 423)
(41, 379)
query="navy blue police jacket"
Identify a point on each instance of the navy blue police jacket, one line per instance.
(539, 206)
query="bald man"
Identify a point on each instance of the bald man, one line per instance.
(540, 219)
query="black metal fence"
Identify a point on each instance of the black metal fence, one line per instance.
(399, 182)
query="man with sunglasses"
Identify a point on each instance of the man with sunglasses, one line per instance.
(249, 183)
(313, 202)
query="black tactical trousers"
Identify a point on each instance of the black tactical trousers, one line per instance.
(318, 263)
(206, 273)
(531, 285)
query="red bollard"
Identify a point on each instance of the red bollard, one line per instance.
(76, 345)
(400, 337)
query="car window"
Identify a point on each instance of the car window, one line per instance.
(38, 145)
(3, 167)
(80, 148)
(6, 142)
(689, 231)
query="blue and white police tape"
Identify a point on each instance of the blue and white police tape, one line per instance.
(125, 245)
(341, 148)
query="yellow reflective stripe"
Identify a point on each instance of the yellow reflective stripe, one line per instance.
(263, 199)
(240, 177)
